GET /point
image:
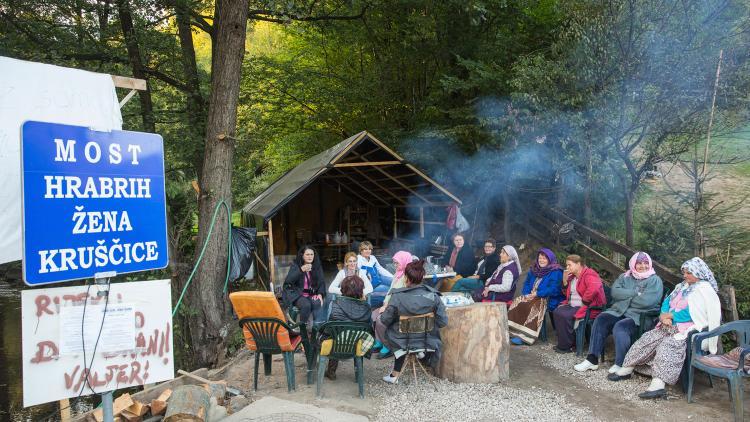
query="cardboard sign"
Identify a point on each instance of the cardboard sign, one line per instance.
(92, 202)
(134, 348)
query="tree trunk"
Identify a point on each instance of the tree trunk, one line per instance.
(212, 311)
(475, 344)
(629, 204)
(134, 55)
(195, 103)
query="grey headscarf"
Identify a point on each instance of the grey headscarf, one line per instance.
(700, 270)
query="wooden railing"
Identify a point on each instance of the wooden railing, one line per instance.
(544, 224)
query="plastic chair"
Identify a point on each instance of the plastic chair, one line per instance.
(584, 327)
(648, 318)
(414, 326)
(734, 376)
(345, 336)
(267, 333)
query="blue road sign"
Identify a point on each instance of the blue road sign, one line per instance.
(92, 202)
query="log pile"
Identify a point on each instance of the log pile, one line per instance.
(186, 403)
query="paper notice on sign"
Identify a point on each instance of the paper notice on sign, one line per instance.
(117, 333)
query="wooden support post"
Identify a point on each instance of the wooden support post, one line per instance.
(421, 222)
(395, 223)
(64, 410)
(270, 252)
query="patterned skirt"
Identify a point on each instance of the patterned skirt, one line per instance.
(525, 318)
(661, 352)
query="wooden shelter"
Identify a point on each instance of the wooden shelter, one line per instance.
(359, 187)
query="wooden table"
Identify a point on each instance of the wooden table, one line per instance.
(475, 344)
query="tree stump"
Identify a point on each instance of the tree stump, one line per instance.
(475, 344)
(188, 403)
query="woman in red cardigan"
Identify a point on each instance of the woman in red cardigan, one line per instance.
(583, 288)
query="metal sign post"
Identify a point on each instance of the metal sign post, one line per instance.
(102, 280)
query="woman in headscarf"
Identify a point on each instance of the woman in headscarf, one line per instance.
(692, 306)
(634, 292)
(501, 286)
(400, 260)
(541, 292)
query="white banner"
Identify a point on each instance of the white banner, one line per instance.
(134, 348)
(37, 91)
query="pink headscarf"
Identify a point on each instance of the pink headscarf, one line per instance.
(403, 258)
(640, 257)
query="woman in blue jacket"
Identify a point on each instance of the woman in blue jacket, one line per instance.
(542, 291)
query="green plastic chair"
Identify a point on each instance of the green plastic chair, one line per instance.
(735, 376)
(344, 335)
(265, 333)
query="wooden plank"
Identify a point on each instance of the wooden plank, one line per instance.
(400, 183)
(364, 189)
(602, 260)
(386, 190)
(64, 410)
(664, 272)
(421, 222)
(355, 142)
(270, 252)
(368, 163)
(434, 183)
(395, 223)
(129, 83)
(401, 220)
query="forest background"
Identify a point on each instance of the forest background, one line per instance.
(636, 110)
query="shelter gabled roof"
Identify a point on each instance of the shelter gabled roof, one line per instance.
(361, 166)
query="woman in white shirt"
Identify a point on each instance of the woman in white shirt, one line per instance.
(350, 268)
(379, 277)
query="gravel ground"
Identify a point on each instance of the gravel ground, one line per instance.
(435, 399)
(597, 380)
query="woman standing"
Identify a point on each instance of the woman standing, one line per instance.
(304, 286)
(400, 259)
(692, 306)
(413, 299)
(542, 291)
(501, 286)
(584, 289)
(634, 292)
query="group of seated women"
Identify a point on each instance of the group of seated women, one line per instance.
(692, 305)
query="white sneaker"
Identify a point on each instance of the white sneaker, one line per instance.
(390, 380)
(585, 366)
(614, 368)
(420, 355)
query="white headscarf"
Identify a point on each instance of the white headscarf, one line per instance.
(511, 251)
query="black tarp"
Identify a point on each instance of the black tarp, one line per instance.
(243, 245)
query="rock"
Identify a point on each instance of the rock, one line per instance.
(238, 403)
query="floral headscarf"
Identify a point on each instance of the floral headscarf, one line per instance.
(637, 258)
(700, 270)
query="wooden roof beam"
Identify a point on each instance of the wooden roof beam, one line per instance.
(398, 181)
(351, 179)
(351, 191)
(368, 164)
(393, 195)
